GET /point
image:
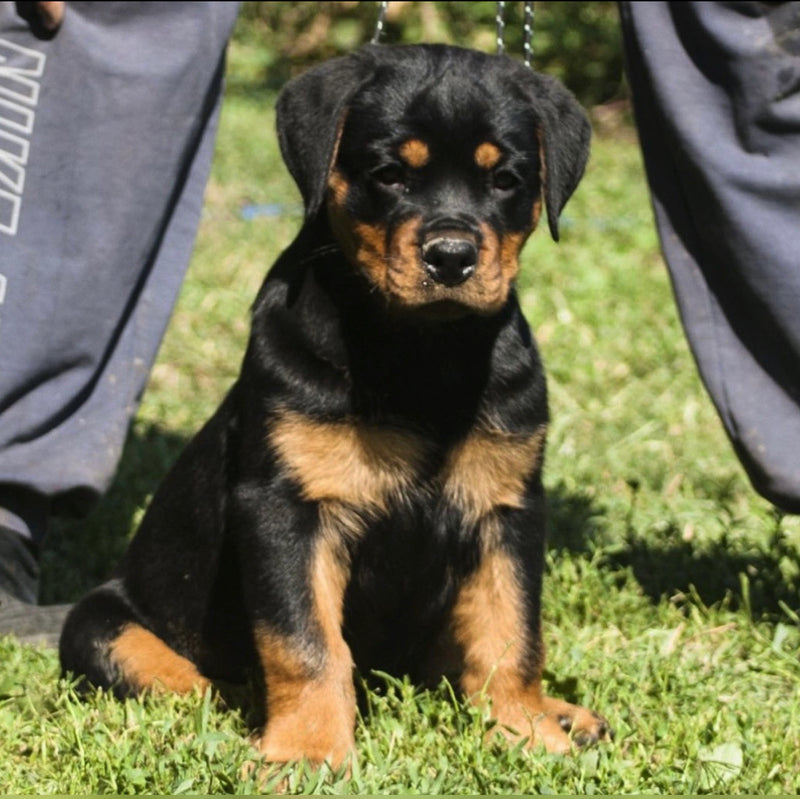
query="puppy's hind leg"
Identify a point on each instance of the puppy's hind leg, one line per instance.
(105, 642)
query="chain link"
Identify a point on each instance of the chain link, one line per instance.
(527, 38)
(380, 22)
(500, 27)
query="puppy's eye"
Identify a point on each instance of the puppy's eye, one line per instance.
(390, 176)
(504, 180)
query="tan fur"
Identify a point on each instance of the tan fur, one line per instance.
(405, 275)
(345, 462)
(329, 576)
(365, 245)
(338, 187)
(488, 470)
(542, 161)
(145, 661)
(340, 521)
(536, 213)
(510, 247)
(311, 702)
(489, 630)
(415, 153)
(371, 253)
(487, 155)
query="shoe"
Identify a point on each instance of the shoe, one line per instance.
(32, 624)
(19, 566)
(19, 588)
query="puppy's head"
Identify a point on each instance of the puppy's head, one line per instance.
(432, 164)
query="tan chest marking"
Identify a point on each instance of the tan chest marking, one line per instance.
(489, 470)
(347, 462)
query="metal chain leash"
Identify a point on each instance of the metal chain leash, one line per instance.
(500, 26)
(527, 31)
(527, 35)
(380, 22)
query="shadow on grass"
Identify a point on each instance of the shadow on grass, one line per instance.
(758, 579)
(80, 554)
(761, 575)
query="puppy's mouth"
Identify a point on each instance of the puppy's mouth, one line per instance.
(448, 271)
(442, 310)
(441, 271)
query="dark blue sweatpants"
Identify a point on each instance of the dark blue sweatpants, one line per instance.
(716, 90)
(106, 137)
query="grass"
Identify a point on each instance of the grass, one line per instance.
(672, 591)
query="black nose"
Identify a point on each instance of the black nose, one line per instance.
(449, 260)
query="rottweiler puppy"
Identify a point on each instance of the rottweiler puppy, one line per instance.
(369, 493)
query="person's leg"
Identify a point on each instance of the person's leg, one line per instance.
(716, 92)
(106, 136)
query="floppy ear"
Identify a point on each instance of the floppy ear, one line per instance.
(564, 134)
(310, 113)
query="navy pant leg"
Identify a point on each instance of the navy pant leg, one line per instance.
(716, 91)
(106, 137)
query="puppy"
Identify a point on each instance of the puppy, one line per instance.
(369, 493)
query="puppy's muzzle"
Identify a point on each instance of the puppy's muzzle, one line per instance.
(450, 256)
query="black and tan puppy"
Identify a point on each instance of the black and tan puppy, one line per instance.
(369, 493)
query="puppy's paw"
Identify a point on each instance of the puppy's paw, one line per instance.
(557, 726)
(563, 726)
(316, 737)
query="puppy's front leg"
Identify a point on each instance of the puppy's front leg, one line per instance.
(496, 631)
(294, 589)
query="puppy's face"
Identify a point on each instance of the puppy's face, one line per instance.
(434, 190)
(432, 164)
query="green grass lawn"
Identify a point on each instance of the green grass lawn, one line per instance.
(672, 590)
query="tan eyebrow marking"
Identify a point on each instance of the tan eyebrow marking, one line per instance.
(415, 153)
(487, 155)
